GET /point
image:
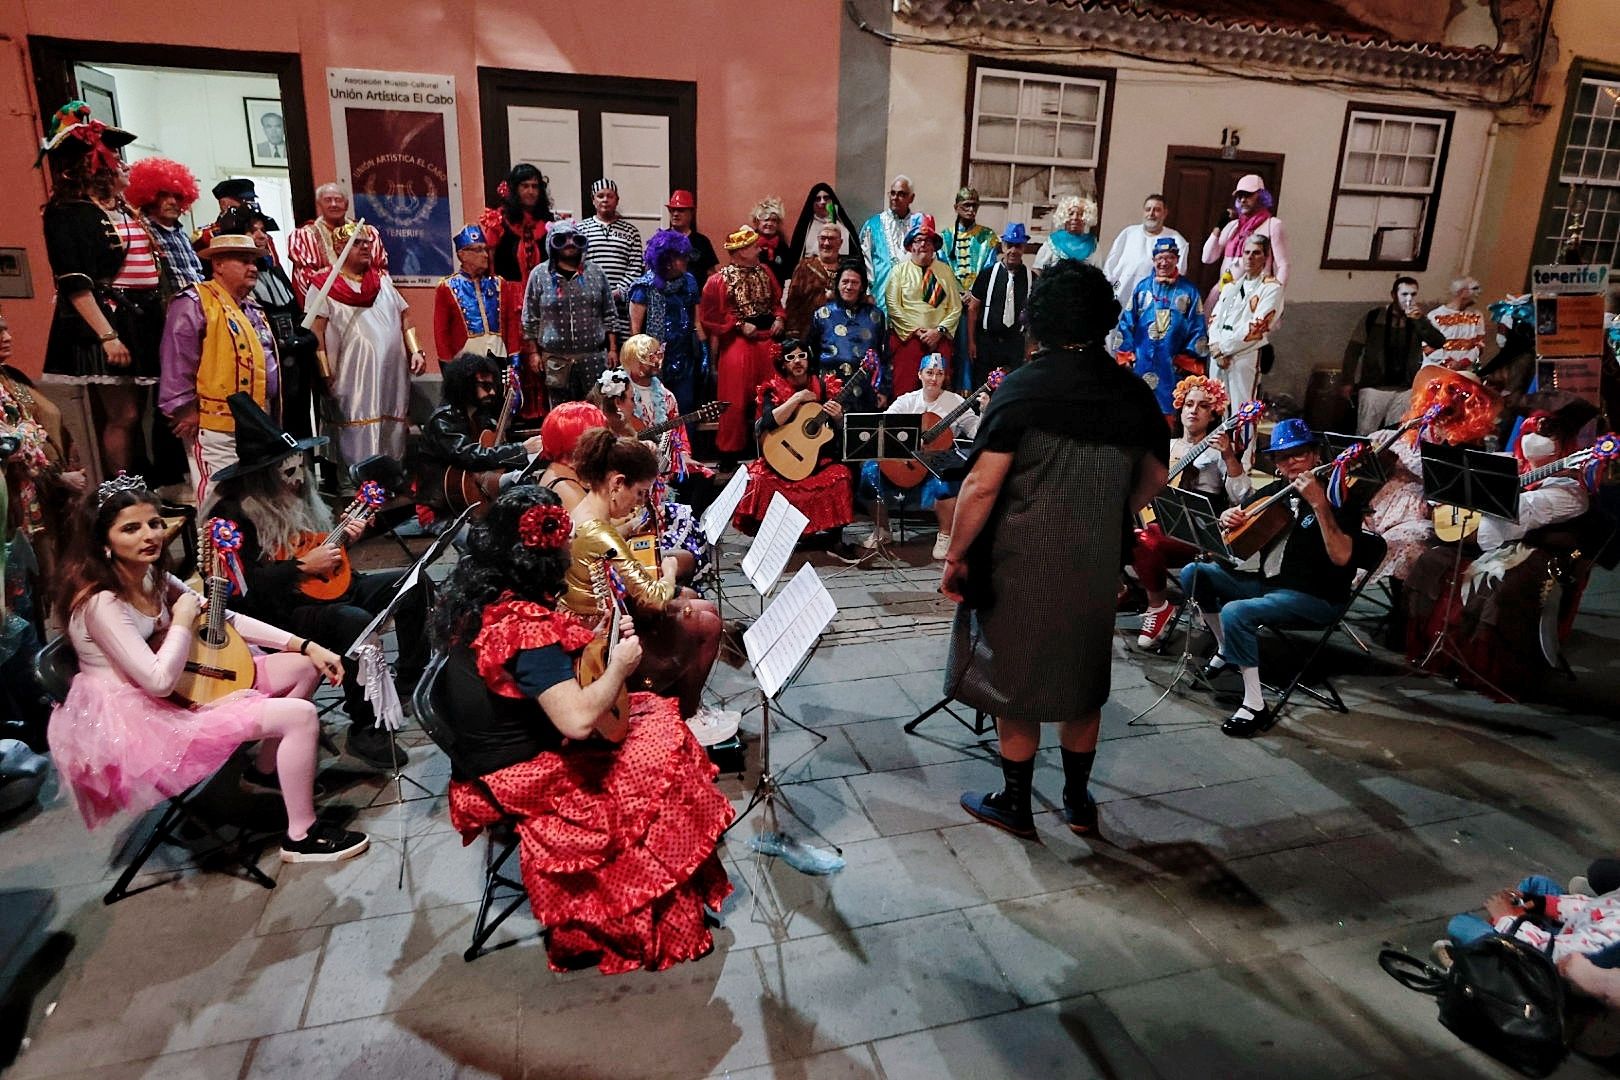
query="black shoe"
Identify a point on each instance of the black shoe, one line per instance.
(324, 843)
(994, 809)
(1082, 819)
(1246, 723)
(373, 746)
(1218, 679)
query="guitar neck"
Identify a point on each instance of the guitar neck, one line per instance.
(1198, 449)
(663, 426)
(1536, 476)
(951, 417)
(504, 421)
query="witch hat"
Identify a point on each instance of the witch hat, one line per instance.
(259, 442)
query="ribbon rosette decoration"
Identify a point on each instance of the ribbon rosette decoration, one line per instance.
(227, 538)
(1247, 416)
(372, 494)
(1605, 450)
(1338, 480)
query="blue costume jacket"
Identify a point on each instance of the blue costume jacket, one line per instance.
(1163, 320)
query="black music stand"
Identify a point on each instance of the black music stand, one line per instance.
(883, 436)
(1366, 467)
(1472, 480)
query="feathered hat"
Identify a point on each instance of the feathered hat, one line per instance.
(72, 135)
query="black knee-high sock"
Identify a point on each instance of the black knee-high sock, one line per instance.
(1017, 780)
(1077, 775)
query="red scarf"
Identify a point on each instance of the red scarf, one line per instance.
(362, 294)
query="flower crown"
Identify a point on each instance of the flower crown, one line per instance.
(546, 527)
(118, 485)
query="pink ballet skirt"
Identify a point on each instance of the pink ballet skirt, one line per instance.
(119, 748)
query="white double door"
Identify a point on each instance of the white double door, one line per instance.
(635, 156)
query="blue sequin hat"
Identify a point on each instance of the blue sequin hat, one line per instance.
(472, 234)
(1015, 233)
(1289, 435)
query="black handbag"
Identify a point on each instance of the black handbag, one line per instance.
(1500, 994)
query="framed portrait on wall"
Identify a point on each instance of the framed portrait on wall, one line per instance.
(266, 132)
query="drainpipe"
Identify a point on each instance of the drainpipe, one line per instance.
(1480, 187)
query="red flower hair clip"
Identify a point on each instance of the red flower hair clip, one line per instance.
(545, 527)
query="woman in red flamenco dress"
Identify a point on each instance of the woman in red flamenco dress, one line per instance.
(826, 496)
(618, 818)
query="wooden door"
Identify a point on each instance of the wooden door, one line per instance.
(1198, 186)
(548, 139)
(635, 152)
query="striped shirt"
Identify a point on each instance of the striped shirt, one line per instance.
(615, 248)
(140, 269)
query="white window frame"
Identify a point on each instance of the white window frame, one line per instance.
(1599, 196)
(1427, 194)
(1036, 216)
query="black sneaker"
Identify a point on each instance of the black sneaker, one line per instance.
(324, 843)
(372, 746)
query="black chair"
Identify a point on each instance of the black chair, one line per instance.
(1328, 695)
(499, 888)
(55, 665)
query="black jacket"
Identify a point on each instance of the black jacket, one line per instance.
(448, 439)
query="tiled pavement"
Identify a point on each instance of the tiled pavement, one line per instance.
(1225, 926)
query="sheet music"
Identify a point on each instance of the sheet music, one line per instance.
(787, 629)
(718, 515)
(772, 547)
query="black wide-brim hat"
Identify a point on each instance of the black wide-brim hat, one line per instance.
(259, 442)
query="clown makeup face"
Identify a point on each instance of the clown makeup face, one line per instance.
(1406, 297)
(1164, 265)
(850, 287)
(1153, 215)
(474, 260)
(1255, 257)
(820, 203)
(1197, 414)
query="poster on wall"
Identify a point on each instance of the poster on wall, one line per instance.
(1569, 309)
(398, 156)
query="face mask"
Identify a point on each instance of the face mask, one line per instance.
(1536, 445)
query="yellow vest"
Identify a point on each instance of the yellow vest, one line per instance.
(233, 359)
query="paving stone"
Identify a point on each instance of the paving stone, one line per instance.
(207, 1063)
(453, 1041)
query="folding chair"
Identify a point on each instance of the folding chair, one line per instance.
(1328, 696)
(54, 667)
(499, 888)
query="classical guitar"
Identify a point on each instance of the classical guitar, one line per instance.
(219, 662)
(1453, 523)
(938, 441)
(700, 415)
(332, 585)
(463, 488)
(593, 662)
(792, 449)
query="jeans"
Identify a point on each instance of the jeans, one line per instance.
(1467, 928)
(336, 625)
(1246, 603)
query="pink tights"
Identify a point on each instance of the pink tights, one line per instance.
(290, 729)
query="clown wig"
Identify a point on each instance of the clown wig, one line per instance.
(769, 206)
(1065, 205)
(664, 247)
(151, 178)
(1212, 389)
(638, 347)
(565, 425)
(1468, 407)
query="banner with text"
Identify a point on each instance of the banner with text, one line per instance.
(398, 155)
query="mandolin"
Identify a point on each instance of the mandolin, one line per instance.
(1247, 413)
(938, 441)
(792, 449)
(593, 662)
(463, 488)
(331, 586)
(1453, 523)
(220, 662)
(1268, 518)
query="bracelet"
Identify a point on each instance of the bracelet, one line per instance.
(111, 335)
(303, 646)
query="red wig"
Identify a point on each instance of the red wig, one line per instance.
(1470, 407)
(149, 178)
(563, 427)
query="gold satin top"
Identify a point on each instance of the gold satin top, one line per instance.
(594, 539)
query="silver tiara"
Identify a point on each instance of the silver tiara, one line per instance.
(117, 485)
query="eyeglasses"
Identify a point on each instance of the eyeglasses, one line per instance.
(898, 193)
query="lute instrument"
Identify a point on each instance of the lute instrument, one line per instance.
(1453, 523)
(593, 661)
(219, 662)
(793, 449)
(331, 586)
(463, 488)
(938, 441)
(1247, 413)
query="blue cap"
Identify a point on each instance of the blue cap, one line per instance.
(1290, 435)
(472, 234)
(1015, 233)
(932, 361)
(1166, 243)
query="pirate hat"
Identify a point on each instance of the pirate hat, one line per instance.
(259, 442)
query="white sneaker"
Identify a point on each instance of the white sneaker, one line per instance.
(879, 536)
(942, 545)
(711, 726)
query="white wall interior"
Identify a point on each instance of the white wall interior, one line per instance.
(197, 118)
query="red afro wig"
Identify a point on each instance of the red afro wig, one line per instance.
(149, 178)
(563, 426)
(1469, 407)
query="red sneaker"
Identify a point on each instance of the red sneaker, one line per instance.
(1155, 625)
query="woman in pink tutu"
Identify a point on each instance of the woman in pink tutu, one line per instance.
(618, 816)
(119, 740)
